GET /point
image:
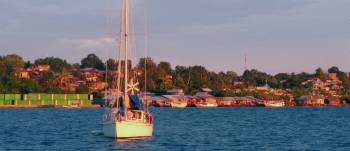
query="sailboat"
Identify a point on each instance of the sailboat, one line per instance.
(126, 116)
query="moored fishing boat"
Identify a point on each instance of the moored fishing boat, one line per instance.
(206, 105)
(179, 104)
(177, 101)
(274, 103)
(160, 101)
(177, 98)
(73, 106)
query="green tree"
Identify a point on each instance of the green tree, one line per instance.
(294, 82)
(62, 80)
(319, 73)
(2, 66)
(111, 64)
(256, 78)
(52, 89)
(165, 66)
(29, 86)
(82, 89)
(151, 73)
(12, 64)
(333, 70)
(10, 84)
(47, 79)
(28, 64)
(298, 92)
(92, 61)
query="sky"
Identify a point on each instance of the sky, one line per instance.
(274, 35)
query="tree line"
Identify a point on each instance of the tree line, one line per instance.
(160, 77)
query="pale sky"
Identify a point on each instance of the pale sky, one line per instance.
(276, 35)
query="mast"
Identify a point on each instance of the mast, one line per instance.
(121, 36)
(126, 36)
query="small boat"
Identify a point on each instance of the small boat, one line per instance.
(73, 106)
(274, 103)
(206, 105)
(205, 99)
(177, 98)
(161, 104)
(179, 104)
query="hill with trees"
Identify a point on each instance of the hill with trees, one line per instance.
(88, 76)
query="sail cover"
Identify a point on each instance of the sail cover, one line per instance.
(136, 103)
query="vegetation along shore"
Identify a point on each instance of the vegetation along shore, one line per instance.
(44, 79)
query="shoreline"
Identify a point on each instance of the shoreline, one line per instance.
(47, 106)
(98, 106)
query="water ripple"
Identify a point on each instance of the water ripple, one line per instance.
(301, 128)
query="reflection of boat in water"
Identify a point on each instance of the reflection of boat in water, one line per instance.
(126, 115)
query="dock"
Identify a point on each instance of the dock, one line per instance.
(43, 100)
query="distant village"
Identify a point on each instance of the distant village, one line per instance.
(90, 78)
(168, 87)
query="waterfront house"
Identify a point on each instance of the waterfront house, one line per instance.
(168, 78)
(238, 84)
(312, 100)
(264, 88)
(334, 77)
(74, 83)
(334, 102)
(33, 72)
(204, 98)
(39, 68)
(159, 101)
(23, 74)
(316, 84)
(96, 86)
(290, 102)
(42, 68)
(91, 74)
(175, 92)
(226, 101)
(237, 101)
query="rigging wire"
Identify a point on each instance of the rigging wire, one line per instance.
(107, 35)
(133, 38)
(145, 49)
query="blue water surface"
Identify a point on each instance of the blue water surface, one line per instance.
(298, 128)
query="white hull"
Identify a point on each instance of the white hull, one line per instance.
(275, 104)
(71, 106)
(206, 105)
(127, 129)
(179, 105)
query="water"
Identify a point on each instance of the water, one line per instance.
(300, 128)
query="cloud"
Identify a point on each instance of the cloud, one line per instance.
(181, 30)
(100, 43)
